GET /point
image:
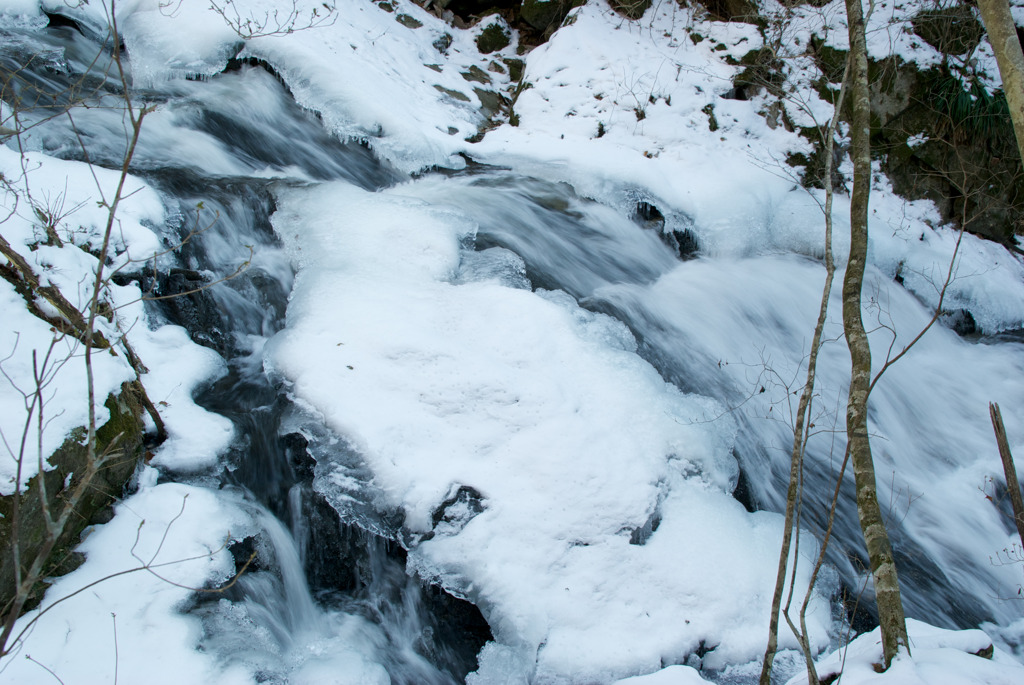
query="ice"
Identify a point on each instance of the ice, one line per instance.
(606, 543)
(673, 675)
(403, 89)
(543, 408)
(933, 446)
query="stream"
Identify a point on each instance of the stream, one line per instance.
(328, 589)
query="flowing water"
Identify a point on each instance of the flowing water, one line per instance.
(328, 588)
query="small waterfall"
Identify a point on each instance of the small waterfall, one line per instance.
(320, 594)
(301, 614)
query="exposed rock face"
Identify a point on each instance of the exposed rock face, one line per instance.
(545, 14)
(939, 136)
(950, 144)
(733, 10)
(121, 439)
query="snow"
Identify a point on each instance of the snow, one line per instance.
(67, 192)
(673, 675)
(938, 656)
(443, 369)
(933, 450)
(114, 619)
(64, 191)
(544, 409)
(402, 92)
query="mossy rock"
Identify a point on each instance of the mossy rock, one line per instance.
(763, 70)
(951, 31)
(120, 440)
(493, 38)
(490, 102)
(477, 74)
(453, 94)
(515, 68)
(631, 9)
(967, 163)
(732, 10)
(540, 14)
(408, 21)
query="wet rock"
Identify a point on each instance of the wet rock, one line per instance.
(640, 535)
(245, 553)
(682, 241)
(295, 446)
(961, 321)
(648, 216)
(457, 510)
(408, 21)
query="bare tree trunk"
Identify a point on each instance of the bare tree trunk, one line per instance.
(883, 568)
(1012, 484)
(800, 431)
(1002, 34)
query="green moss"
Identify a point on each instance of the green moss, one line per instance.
(119, 446)
(763, 70)
(493, 38)
(971, 108)
(631, 9)
(951, 31)
(709, 109)
(515, 68)
(476, 74)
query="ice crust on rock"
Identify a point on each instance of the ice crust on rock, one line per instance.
(544, 408)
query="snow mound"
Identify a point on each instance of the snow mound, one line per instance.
(545, 471)
(965, 657)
